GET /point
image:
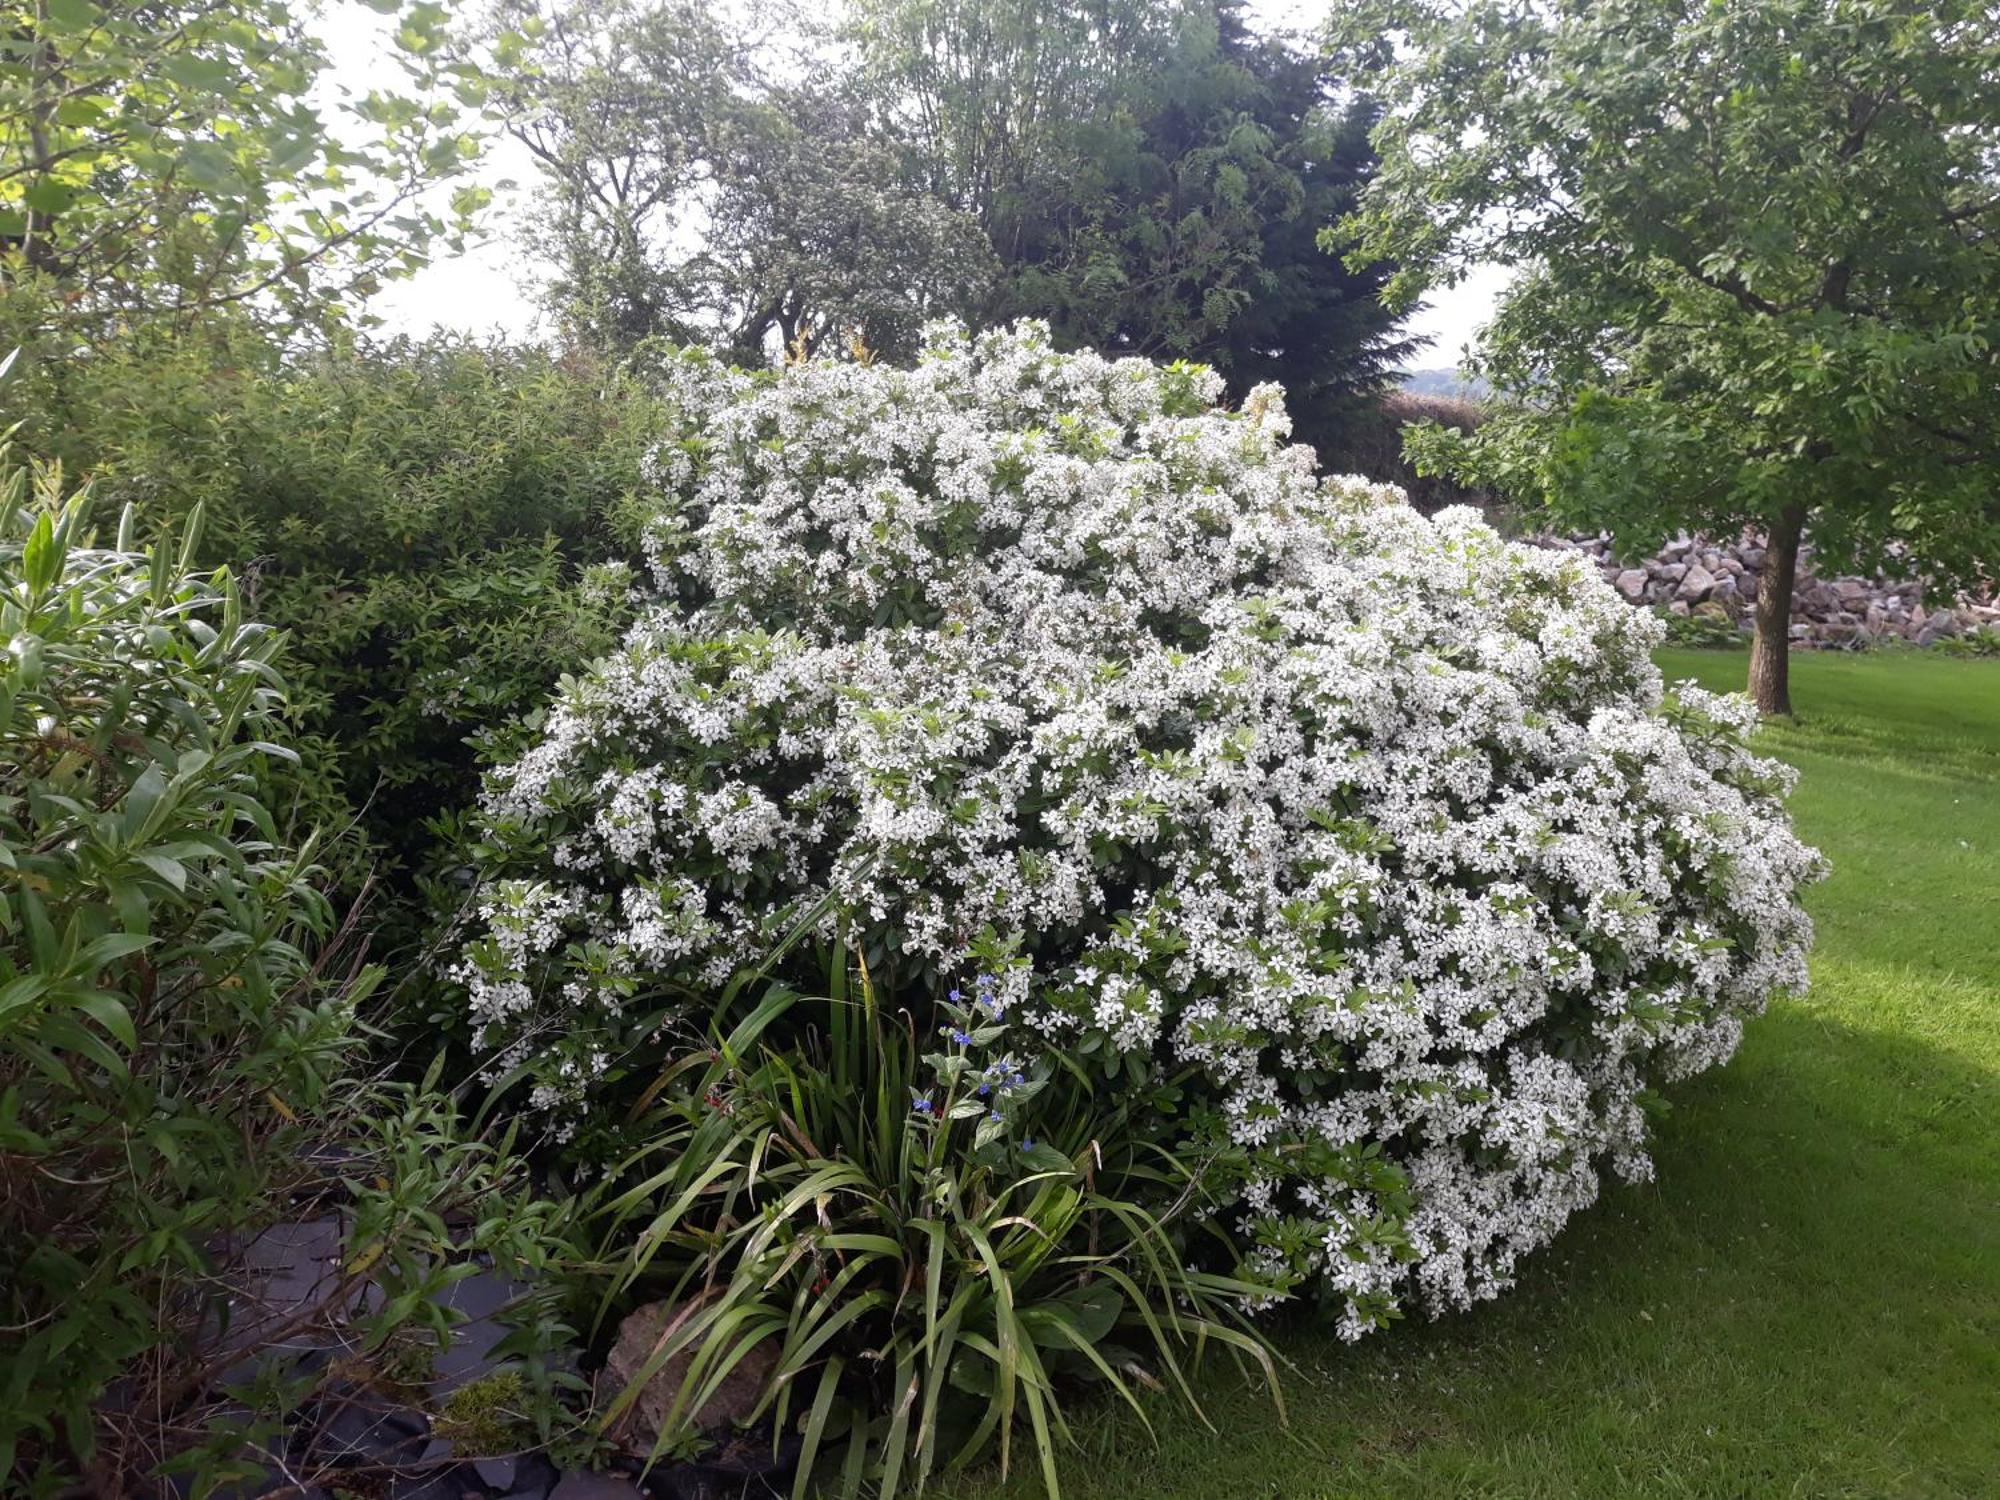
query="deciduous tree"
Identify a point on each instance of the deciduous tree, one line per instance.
(1760, 270)
(707, 184)
(161, 159)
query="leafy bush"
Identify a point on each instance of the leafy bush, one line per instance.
(1706, 628)
(412, 680)
(1981, 641)
(926, 1233)
(182, 1057)
(1043, 666)
(418, 517)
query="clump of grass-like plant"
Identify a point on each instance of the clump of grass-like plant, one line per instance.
(941, 1246)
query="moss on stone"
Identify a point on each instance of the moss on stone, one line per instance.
(485, 1416)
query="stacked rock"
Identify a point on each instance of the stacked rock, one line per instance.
(1694, 576)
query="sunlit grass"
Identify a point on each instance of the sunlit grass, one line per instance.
(1807, 1300)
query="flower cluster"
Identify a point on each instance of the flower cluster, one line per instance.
(1382, 828)
(971, 1081)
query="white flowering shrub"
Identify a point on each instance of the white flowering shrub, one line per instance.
(1378, 834)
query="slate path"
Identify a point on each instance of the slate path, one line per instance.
(282, 1309)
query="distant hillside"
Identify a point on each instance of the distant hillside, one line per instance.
(1444, 383)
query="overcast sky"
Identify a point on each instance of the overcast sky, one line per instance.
(491, 287)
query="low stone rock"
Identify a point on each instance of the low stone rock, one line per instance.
(1832, 611)
(495, 1473)
(1696, 584)
(582, 1484)
(642, 1332)
(478, 1299)
(355, 1424)
(453, 1484)
(534, 1478)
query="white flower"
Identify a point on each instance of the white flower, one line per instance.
(1383, 824)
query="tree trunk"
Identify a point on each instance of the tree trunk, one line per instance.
(1770, 647)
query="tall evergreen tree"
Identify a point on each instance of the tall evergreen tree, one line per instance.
(1192, 227)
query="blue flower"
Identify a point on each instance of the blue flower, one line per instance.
(953, 997)
(964, 1039)
(923, 1105)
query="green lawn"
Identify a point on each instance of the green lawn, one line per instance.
(1807, 1301)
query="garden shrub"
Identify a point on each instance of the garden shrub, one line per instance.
(1980, 641)
(1708, 628)
(1377, 836)
(183, 1054)
(419, 517)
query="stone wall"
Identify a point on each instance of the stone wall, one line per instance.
(1701, 578)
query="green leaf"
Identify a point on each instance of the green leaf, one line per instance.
(49, 196)
(40, 561)
(21, 992)
(109, 949)
(144, 795)
(71, 15)
(108, 1011)
(170, 870)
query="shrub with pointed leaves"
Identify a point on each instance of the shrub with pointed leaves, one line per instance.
(1376, 835)
(184, 1058)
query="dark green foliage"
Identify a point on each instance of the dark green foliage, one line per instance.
(1706, 629)
(1373, 445)
(1192, 229)
(1973, 643)
(418, 517)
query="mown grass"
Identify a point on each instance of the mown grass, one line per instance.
(1807, 1300)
